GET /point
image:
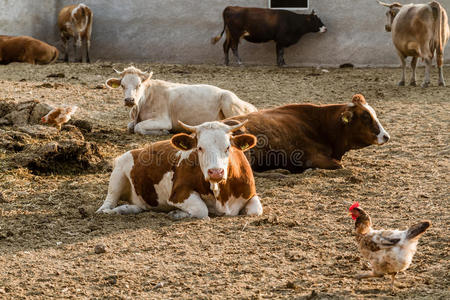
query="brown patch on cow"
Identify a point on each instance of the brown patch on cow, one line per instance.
(188, 177)
(240, 182)
(150, 165)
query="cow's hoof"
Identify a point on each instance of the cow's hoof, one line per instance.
(425, 84)
(413, 83)
(179, 214)
(401, 83)
(105, 211)
(441, 83)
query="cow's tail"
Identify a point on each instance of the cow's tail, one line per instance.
(55, 56)
(438, 31)
(215, 39)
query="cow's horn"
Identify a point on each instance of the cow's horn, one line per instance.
(384, 4)
(237, 127)
(188, 127)
(118, 72)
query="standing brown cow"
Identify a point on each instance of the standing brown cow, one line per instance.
(75, 21)
(418, 30)
(26, 49)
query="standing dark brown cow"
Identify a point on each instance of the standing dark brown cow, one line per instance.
(26, 49)
(260, 25)
(75, 21)
(301, 136)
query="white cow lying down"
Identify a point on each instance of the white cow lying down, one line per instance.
(205, 172)
(157, 105)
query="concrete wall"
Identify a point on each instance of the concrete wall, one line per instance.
(179, 31)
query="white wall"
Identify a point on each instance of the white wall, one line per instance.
(179, 31)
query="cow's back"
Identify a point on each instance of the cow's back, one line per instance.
(412, 30)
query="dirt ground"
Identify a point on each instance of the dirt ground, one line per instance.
(302, 247)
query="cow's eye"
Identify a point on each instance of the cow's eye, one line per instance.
(366, 116)
(228, 149)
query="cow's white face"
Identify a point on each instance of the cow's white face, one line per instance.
(394, 8)
(213, 143)
(131, 82)
(213, 147)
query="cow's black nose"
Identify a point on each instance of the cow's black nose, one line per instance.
(129, 101)
(385, 138)
(388, 28)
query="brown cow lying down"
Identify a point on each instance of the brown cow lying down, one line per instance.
(26, 49)
(206, 172)
(301, 136)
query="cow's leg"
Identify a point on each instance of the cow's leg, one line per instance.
(403, 61)
(253, 207)
(192, 207)
(127, 209)
(234, 48)
(153, 127)
(119, 184)
(439, 62)
(77, 46)
(280, 55)
(426, 80)
(66, 48)
(412, 82)
(226, 50)
(130, 127)
(324, 162)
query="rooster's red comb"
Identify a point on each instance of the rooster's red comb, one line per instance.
(354, 205)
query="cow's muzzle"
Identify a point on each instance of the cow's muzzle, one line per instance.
(216, 174)
(387, 28)
(129, 102)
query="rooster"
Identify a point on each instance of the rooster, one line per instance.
(388, 251)
(59, 116)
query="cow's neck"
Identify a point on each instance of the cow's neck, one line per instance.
(332, 129)
(143, 95)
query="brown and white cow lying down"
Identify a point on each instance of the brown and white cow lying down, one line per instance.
(157, 105)
(418, 30)
(206, 172)
(26, 49)
(75, 21)
(301, 136)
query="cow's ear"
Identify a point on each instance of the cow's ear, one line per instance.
(346, 117)
(113, 83)
(243, 141)
(183, 142)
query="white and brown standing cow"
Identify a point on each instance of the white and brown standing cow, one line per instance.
(205, 172)
(75, 21)
(418, 30)
(157, 105)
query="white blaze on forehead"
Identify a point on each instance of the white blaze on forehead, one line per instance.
(380, 136)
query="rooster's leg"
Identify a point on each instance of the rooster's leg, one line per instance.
(392, 282)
